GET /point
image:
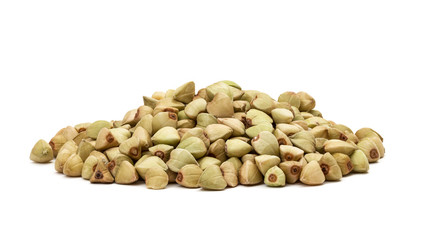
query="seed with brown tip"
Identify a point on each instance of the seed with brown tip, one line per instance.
(292, 170)
(312, 174)
(101, 174)
(188, 176)
(265, 143)
(275, 177)
(330, 168)
(290, 153)
(369, 149)
(343, 162)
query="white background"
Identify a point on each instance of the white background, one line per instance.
(66, 62)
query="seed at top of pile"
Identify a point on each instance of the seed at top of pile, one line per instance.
(214, 138)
